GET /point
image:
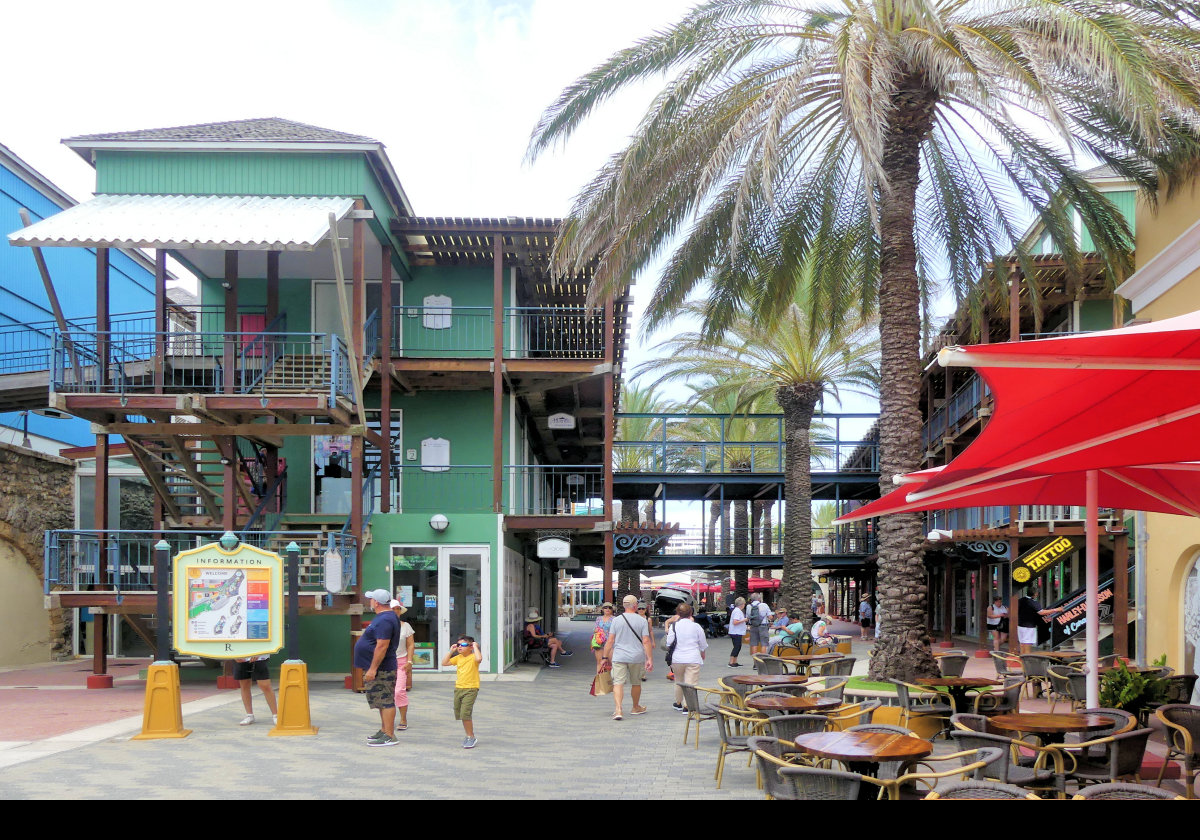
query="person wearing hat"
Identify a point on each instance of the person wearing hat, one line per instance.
(404, 664)
(375, 653)
(535, 638)
(778, 627)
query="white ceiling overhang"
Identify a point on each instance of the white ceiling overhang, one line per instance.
(200, 228)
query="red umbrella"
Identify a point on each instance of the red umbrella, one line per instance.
(1117, 398)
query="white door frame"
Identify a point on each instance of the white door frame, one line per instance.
(443, 582)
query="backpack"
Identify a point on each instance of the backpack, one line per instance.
(752, 619)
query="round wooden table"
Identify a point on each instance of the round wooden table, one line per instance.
(793, 704)
(862, 752)
(768, 679)
(1043, 724)
(957, 687)
(804, 661)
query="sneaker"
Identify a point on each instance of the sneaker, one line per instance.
(382, 740)
(275, 719)
(678, 707)
(553, 665)
(378, 734)
(247, 720)
(469, 743)
(566, 653)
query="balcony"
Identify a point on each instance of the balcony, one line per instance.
(467, 332)
(528, 490)
(855, 538)
(955, 413)
(974, 519)
(698, 457)
(71, 559)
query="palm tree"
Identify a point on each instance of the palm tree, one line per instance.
(883, 140)
(793, 364)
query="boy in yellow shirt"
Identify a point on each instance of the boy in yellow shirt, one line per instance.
(465, 656)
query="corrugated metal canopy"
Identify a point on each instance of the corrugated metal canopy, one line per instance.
(199, 222)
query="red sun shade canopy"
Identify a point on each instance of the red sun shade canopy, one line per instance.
(1106, 399)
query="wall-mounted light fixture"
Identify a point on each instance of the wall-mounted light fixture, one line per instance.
(226, 285)
(438, 522)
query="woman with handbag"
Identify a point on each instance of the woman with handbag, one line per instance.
(686, 644)
(601, 631)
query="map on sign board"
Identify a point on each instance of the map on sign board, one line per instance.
(228, 604)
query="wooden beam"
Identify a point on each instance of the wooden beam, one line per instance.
(497, 372)
(206, 493)
(269, 434)
(385, 382)
(154, 476)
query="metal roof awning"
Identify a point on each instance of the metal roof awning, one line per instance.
(189, 222)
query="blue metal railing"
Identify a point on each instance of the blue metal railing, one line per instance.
(262, 351)
(854, 538)
(370, 339)
(442, 331)
(553, 332)
(71, 559)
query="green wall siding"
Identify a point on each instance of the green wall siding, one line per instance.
(1125, 201)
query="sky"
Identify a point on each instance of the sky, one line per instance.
(452, 88)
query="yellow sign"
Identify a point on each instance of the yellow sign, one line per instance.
(1041, 559)
(228, 604)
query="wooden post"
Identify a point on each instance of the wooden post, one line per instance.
(610, 329)
(385, 381)
(160, 319)
(948, 601)
(228, 443)
(1014, 599)
(272, 286)
(497, 372)
(100, 512)
(1121, 591)
(356, 341)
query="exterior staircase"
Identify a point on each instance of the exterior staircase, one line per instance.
(296, 373)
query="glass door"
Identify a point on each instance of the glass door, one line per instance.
(415, 584)
(461, 574)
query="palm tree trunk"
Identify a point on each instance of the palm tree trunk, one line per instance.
(903, 651)
(714, 513)
(767, 527)
(649, 512)
(798, 402)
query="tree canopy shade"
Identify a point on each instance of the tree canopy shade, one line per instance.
(879, 139)
(794, 365)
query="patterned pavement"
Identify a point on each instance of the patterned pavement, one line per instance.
(543, 737)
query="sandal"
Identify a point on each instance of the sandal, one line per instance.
(400, 727)
(641, 711)
(617, 716)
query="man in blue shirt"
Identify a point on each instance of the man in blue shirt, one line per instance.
(375, 653)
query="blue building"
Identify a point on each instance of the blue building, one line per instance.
(27, 316)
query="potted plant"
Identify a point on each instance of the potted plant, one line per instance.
(1131, 691)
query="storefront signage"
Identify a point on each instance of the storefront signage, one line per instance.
(228, 604)
(1074, 618)
(553, 547)
(560, 421)
(569, 563)
(1041, 559)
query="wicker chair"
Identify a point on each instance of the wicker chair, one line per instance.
(831, 688)
(1124, 790)
(933, 704)
(771, 665)
(843, 666)
(768, 752)
(1121, 757)
(1008, 769)
(1006, 665)
(1034, 666)
(972, 723)
(736, 729)
(1002, 702)
(1060, 686)
(970, 762)
(788, 727)
(1182, 722)
(763, 694)
(701, 710)
(887, 769)
(736, 689)
(953, 664)
(817, 783)
(852, 714)
(979, 790)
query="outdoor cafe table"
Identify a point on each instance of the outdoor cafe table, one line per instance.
(862, 752)
(768, 679)
(957, 687)
(804, 661)
(1044, 725)
(812, 705)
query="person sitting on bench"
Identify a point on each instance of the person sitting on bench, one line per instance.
(535, 639)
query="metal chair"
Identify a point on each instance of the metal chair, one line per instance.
(1124, 790)
(787, 727)
(701, 710)
(852, 714)
(942, 706)
(1182, 722)
(820, 784)
(953, 665)
(979, 790)
(1122, 757)
(1009, 770)
(736, 729)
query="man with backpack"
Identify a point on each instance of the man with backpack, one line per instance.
(758, 623)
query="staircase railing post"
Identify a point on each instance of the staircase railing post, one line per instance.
(162, 600)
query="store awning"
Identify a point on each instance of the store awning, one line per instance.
(189, 222)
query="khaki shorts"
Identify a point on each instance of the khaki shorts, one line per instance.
(464, 702)
(628, 673)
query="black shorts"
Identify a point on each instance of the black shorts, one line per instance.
(866, 622)
(251, 670)
(1002, 627)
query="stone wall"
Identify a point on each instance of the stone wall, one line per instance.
(36, 495)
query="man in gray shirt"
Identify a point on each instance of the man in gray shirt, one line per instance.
(629, 649)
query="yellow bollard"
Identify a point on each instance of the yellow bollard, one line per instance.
(294, 716)
(163, 713)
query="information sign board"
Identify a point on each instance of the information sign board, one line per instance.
(228, 604)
